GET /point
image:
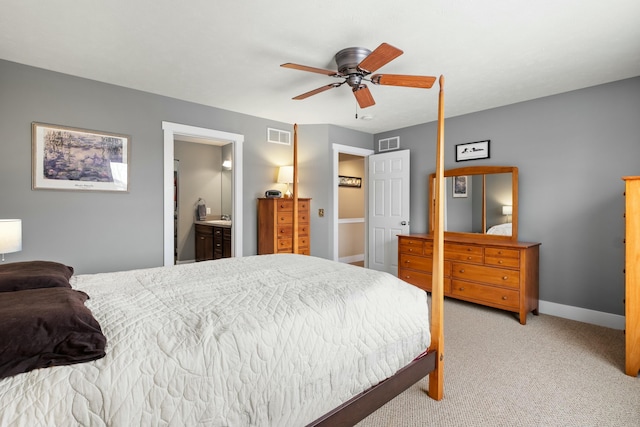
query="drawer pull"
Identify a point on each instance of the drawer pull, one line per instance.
(500, 262)
(499, 252)
(469, 257)
(468, 249)
(462, 270)
(410, 249)
(505, 277)
(504, 298)
(461, 288)
(406, 261)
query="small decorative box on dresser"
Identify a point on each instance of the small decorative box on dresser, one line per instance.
(632, 275)
(500, 273)
(275, 226)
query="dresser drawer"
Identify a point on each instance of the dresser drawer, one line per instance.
(423, 264)
(459, 252)
(492, 275)
(489, 294)
(502, 257)
(286, 217)
(422, 280)
(284, 245)
(416, 263)
(410, 248)
(416, 278)
(204, 229)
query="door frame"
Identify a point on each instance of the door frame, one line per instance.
(356, 151)
(171, 130)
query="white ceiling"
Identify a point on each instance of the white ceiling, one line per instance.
(227, 53)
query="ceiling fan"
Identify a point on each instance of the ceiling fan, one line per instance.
(355, 64)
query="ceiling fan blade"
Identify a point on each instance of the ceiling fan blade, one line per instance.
(424, 82)
(382, 55)
(316, 91)
(363, 96)
(311, 69)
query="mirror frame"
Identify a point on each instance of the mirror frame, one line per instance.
(480, 170)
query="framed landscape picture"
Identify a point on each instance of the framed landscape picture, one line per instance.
(67, 158)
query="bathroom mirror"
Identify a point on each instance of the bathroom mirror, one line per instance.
(480, 201)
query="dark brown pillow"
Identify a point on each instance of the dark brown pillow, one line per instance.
(46, 327)
(18, 276)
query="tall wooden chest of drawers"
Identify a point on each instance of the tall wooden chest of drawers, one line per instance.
(275, 226)
(632, 275)
(500, 274)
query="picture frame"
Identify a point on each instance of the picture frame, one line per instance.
(70, 158)
(349, 181)
(472, 150)
(460, 186)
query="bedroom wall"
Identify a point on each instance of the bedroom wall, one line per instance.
(99, 231)
(571, 150)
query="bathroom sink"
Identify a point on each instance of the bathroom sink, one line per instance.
(219, 222)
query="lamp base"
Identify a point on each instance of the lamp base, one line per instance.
(288, 194)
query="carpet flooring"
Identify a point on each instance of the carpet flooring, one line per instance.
(549, 372)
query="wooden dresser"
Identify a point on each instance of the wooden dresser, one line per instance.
(632, 275)
(275, 226)
(501, 273)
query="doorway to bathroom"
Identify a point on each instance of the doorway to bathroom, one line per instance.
(175, 131)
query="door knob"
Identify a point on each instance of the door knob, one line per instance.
(404, 223)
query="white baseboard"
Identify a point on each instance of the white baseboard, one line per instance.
(352, 258)
(608, 320)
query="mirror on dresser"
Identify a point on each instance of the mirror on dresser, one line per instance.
(480, 201)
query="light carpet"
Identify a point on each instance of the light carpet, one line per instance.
(549, 372)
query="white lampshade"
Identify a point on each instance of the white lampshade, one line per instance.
(10, 236)
(285, 175)
(507, 210)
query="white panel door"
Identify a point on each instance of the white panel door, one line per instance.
(388, 208)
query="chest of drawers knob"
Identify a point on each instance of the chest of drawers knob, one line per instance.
(505, 277)
(462, 270)
(504, 298)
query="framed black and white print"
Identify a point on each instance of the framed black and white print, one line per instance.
(349, 181)
(472, 151)
(460, 186)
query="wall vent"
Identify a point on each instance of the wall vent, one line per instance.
(389, 144)
(278, 136)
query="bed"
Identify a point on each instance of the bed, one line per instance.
(263, 340)
(269, 340)
(500, 229)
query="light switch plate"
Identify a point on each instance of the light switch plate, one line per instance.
(320, 213)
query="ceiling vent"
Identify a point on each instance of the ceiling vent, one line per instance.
(278, 136)
(389, 144)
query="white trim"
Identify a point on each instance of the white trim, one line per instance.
(350, 220)
(600, 318)
(352, 258)
(170, 131)
(347, 149)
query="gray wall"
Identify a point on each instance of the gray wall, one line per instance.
(99, 231)
(571, 150)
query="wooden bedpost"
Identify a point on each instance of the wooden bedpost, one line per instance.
(436, 378)
(295, 188)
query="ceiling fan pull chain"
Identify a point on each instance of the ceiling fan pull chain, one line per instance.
(356, 111)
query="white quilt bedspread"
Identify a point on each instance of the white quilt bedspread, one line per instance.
(271, 340)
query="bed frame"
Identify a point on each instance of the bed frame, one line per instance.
(432, 362)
